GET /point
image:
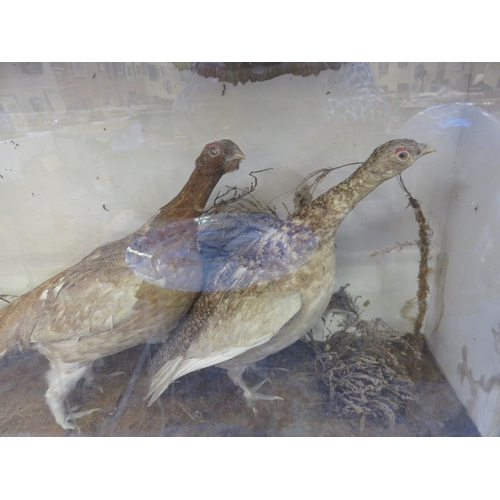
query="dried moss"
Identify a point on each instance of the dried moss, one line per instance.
(365, 366)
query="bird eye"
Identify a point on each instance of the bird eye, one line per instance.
(403, 155)
(213, 151)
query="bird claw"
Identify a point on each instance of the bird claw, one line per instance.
(260, 370)
(252, 396)
(116, 374)
(256, 387)
(70, 423)
(80, 414)
(264, 397)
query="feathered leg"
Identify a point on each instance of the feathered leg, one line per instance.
(62, 378)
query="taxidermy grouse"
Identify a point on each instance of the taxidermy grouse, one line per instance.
(270, 292)
(123, 293)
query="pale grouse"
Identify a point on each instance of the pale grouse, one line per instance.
(270, 292)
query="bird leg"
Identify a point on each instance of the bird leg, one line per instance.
(89, 378)
(261, 370)
(250, 393)
(62, 378)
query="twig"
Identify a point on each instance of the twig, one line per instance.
(366, 365)
(424, 245)
(320, 174)
(398, 246)
(3, 295)
(238, 194)
(123, 399)
(18, 412)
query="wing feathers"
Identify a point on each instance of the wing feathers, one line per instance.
(254, 320)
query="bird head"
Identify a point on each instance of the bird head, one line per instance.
(393, 157)
(221, 156)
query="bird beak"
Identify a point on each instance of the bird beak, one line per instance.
(233, 161)
(237, 155)
(425, 149)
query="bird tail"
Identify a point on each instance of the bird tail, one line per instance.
(162, 379)
(8, 331)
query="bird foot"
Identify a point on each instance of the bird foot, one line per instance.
(115, 374)
(250, 393)
(278, 368)
(264, 371)
(256, 387)
(252, 396)
(73, 415)
(89, 381)
(255, 396)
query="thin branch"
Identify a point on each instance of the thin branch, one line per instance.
(424, 245)
(398, 246)
(241, 199)
(4, 295)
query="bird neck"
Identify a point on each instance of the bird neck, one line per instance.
(191, 200)
(326, 212)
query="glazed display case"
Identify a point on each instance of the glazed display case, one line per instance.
(409, 343)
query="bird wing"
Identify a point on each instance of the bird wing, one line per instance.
(248, 322)
(221, 234)
(245, 249)
(167, 256)
(144, 276)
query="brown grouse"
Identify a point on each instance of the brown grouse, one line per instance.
(123, 293)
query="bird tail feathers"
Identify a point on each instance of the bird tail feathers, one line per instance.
(162, 379)
(8, 332)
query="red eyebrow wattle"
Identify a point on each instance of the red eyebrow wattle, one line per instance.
(400, 149)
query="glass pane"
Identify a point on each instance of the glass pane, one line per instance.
(89, 152)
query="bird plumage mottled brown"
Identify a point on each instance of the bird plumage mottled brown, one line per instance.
(123, 293)
(271, 292)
